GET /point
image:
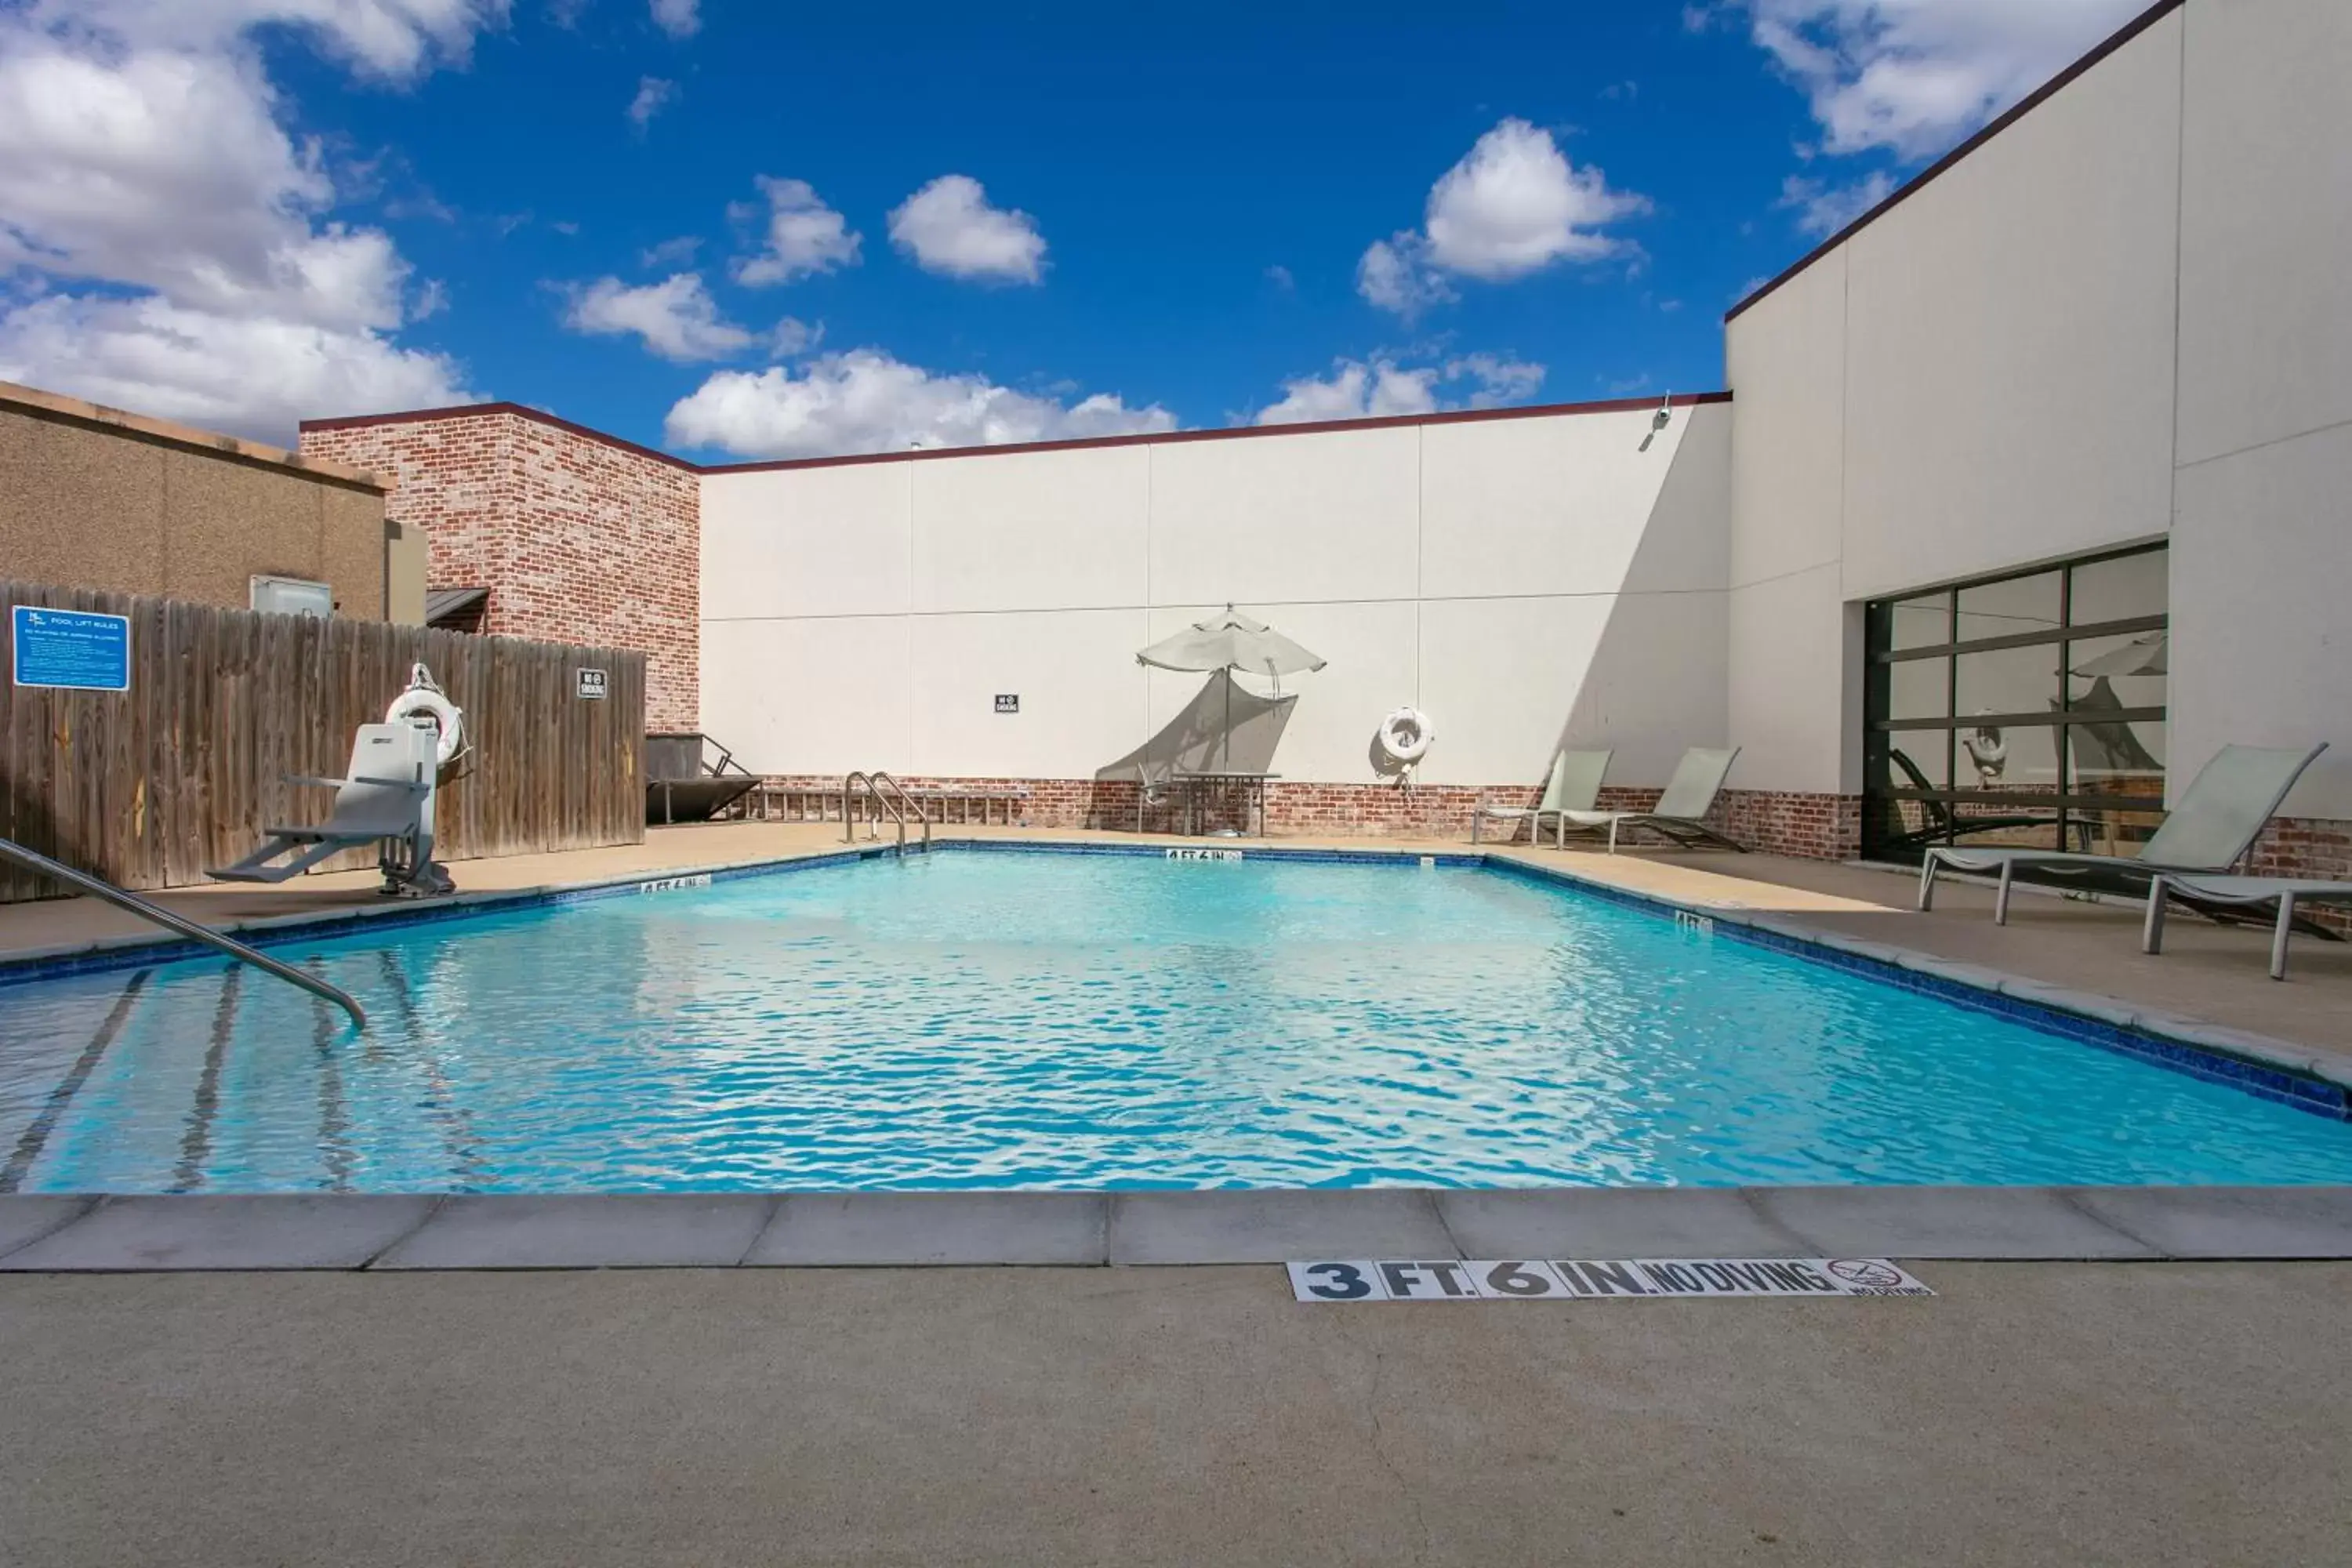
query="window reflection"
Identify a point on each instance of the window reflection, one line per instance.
(2050, 738)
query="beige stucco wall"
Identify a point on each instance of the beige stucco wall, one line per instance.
(91, 499)
(1525, 581)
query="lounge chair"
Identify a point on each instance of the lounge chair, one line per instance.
(1689, 797)
(386, 799)
(2223, 812)
(1943, 822)
(2226, 898)
(1574, 786)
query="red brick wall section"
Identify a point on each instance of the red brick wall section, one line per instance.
(1809, 827)
(578, 540)
(1819, 827)
(2308, 848)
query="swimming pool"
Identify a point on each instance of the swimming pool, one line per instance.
(1026, 1020)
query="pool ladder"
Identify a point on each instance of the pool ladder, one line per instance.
(890, 797)
(124, 899)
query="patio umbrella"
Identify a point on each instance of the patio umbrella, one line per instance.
(1231, 641)
(2141, 656)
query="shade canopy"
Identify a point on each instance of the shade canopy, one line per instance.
(1231, 641)
(2141, 656)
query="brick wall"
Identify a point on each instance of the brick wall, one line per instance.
(579, 538)
(2307, 848)
(1292, 809)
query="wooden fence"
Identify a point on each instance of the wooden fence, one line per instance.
(150, 787)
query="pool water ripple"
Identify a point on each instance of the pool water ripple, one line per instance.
(1094, 1022)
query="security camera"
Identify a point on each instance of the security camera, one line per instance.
(1658, 421)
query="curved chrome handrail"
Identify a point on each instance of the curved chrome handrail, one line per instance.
(882, 804)
(120, 899)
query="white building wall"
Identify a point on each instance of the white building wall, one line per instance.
(1523, 579)
(2261, 570)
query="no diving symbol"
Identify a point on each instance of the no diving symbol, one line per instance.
(1867, 1272)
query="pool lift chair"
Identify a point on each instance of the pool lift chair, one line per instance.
(385, 799)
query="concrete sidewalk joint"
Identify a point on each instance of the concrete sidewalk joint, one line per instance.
(82, 1234)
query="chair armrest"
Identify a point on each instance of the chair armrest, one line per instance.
(316, 782)
(412, 785)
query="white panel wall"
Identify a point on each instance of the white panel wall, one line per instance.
(1787, 676)
(2266, 236)
(2261, 542)
(2009, 339)
(1523, 579)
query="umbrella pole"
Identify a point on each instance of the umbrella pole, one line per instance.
(1225, 745)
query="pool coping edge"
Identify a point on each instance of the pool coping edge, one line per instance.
(478, 1233)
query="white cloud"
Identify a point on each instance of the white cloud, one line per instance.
(1513, 205)
(677, 318)
(249, 376)
(1353, 391)
(791, 337)
(1825, 208)
(949, 228)
(1279, 276)
(143, 150)
(1360, 390)
(397, 39)
(1917, 76)
(675, 252)
(803, 236)
(866, 401)
(1396, 275)
(1501, 379)
(678, 18)
(653, 95)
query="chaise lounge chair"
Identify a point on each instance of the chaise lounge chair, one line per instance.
(2223, 812)
(1689, 796)
(387, 799)
(1574, 786)
(2229, 897)
(1943, 822)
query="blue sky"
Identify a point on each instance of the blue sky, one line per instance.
(738, 229)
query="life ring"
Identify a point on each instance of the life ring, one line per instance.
(1406, 734)
(1987, 750)
(446, 715)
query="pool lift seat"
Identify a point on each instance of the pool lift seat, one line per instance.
(386, 799)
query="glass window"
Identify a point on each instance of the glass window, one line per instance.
(1924, 622)
(2118, 671)
(2051, 740)
(2123, 588)
(2015, 606)
(2007, 680)
(1919, 689)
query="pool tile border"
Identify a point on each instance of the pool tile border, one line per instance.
(389, 1234)
(2275, 1070)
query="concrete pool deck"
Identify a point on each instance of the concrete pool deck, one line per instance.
(2149, 1413)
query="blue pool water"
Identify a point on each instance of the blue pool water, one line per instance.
(1003, 1020)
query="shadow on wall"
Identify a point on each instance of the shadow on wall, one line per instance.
(1225, 728)
(1665, 647)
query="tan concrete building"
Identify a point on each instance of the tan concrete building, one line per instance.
(96, 498)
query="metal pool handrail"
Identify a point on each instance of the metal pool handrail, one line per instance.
(97, 888)
(883, 803)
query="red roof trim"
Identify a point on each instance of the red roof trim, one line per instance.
(468, 410)
(1459, 416)
(2024, 106)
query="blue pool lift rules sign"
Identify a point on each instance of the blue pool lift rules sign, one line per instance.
(80, 650)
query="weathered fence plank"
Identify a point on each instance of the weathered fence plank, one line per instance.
(150, 787)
